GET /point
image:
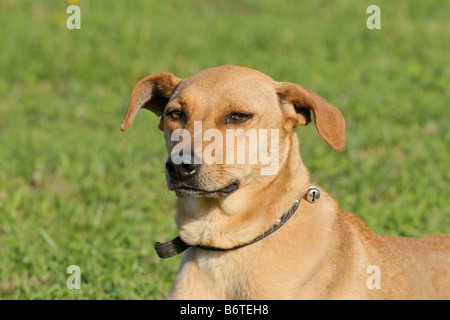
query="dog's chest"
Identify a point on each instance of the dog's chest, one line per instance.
(230, 276)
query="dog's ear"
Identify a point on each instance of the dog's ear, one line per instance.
(152, 93)
(328, 119)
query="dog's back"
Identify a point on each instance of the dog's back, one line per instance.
(420, 265)
(404, 268)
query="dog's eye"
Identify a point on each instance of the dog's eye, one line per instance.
(238, 117)
(175, 114)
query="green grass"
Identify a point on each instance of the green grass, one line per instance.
(75, 190)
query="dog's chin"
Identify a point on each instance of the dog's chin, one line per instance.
(192, 192)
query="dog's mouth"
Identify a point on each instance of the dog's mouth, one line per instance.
(185, 191)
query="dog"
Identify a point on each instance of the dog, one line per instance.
(249, 235)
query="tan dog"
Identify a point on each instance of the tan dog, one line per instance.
(321, 251)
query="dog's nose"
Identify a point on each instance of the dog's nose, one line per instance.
(186, 169)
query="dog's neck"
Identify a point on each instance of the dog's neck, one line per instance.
(237, 219)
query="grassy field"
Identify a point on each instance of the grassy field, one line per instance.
(74, 190)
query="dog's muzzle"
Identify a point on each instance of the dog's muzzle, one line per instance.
(182, 180)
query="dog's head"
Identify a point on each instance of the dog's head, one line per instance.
(230, 126)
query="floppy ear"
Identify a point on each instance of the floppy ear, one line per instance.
(152, 93)
(328, 119)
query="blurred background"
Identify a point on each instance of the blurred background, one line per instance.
(74, 190)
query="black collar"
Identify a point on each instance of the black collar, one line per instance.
(177, 245)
